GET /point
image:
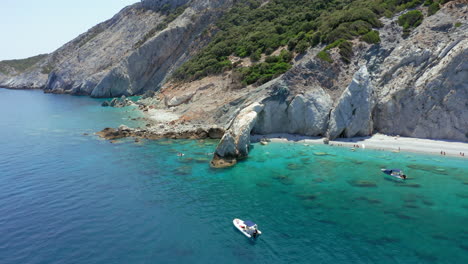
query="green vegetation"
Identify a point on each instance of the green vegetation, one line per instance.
(170, 16)
(20, 65)
(433, 8)
(410, 20)
(371, 37)
(458, 24)
(323, 55)
(263, 72)
(254, 27)
(345, 50)
(48, 68)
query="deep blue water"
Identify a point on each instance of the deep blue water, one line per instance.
(67, 197)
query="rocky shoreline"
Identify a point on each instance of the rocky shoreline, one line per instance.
(176, 132)
(413, 85)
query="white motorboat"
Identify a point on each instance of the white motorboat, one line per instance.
(248, 228)
(396, 173)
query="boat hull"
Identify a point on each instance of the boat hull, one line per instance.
(391, 175)
(239, 224)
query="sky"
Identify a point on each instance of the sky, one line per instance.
(32, 27)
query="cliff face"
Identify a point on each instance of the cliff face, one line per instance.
(129, 54)
(23, 73)
(424, 88)
(414, 86)
(81, 64)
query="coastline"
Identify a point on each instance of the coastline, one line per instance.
(380, 142)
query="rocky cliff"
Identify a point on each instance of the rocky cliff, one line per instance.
(415, 86)
(131, 53)
(410, 83)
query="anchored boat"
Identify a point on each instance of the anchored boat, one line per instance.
(397, 173)
(248, 228)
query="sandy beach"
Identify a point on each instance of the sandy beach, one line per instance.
(381, 142)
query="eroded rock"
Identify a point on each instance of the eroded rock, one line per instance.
(352, 115)
(236, 141)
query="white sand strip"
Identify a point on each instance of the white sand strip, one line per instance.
(162, 116)
(382, 142)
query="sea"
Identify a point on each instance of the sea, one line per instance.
(67, 196)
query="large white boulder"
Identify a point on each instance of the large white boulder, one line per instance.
(236, 141)
(353, 114)
(308, 113)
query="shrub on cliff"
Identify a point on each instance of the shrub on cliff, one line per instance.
(264, 72)
(410, 19)
(323, 55)
(433, 8)
(255, 27)
(345, 50)
(20, 65)
(371, 37)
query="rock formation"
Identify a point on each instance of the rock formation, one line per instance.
(352, 115)
(118, 102)
(306, 114)
(129, 54)
(423, 86)
(235, 143)
(411, 86)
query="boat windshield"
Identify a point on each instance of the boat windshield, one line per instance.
(250, 224)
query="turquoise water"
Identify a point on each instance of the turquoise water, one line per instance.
(67, 197)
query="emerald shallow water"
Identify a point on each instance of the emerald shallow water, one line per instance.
(73, 198)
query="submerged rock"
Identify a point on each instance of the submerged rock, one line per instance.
(307, 196)
(411, 185)
(428, 203)
(283, 179)
(218, 162)
(111, 133)
(369, 200)
(295, 166)
(384, 240)
(184, 170)
(118, 102)
(321, 154)
(263, 184)
(361, 183)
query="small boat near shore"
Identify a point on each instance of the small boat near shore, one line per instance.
(248, 228)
